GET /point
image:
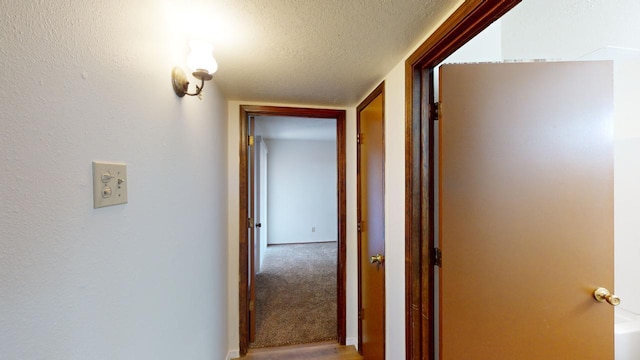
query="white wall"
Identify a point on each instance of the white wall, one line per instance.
(302, 191)
(568, 30)
(394, 203)
(262, 174)
(233, 142)
(90, 80)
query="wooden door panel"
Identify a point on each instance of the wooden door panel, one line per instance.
(526, 210)
(371, 219)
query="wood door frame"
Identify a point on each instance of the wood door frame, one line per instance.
(340, 116)
(378, 91)
(467, 21)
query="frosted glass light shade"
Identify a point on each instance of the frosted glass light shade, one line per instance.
(201, 57)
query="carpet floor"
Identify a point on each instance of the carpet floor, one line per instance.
(296, 295)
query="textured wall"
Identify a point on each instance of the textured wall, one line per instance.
(394, 183)
(89, 80)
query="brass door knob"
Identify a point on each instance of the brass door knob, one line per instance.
(376, 259)
(601, 295)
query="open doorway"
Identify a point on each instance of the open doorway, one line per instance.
(296, 231)
(601, 31)
(565, 31)
(250, 255)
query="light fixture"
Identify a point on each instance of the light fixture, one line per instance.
(201, 63)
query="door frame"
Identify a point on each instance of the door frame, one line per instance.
(378, 91)
(466, 22)
(340, 117)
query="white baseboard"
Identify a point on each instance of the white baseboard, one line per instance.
(352, 341)
(233, 354)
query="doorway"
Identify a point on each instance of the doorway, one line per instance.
(602, 31)
(421, 112)
(296, 231)
(247, 226)
(610, 38)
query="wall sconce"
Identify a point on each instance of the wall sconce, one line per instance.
(203, 65)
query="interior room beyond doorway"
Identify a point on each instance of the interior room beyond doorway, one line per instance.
(296, 252)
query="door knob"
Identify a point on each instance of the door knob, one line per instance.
(602, 295)
(377, 259)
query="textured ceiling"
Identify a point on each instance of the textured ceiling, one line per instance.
(325, 52)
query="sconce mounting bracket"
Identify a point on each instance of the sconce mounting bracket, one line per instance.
(179, 81)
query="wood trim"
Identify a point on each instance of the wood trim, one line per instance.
(374, 94)
(340, 116)
(379, 90)
(470, 19)
(243, 235)
(467, 21)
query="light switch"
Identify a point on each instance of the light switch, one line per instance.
(109, 184)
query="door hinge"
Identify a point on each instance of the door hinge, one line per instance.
(437, 257)
(361, 314)
(360, 138)
(360, 226)
(250, 222)
(251, 140)
(436, 111)
(251, 305)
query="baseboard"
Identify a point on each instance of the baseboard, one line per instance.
(233, 354)
(352, 341)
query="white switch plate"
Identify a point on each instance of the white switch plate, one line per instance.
(109, 184)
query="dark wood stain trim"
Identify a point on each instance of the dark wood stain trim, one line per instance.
(379, 90)
(340, 116)
(243, 234)
(467, 21)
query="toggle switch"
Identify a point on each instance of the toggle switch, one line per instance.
(106, 177)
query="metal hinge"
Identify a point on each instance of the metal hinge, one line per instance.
(250, 222)
(251, 305)
(436, 110)
(361, 314)
(360, 226)
(251, 140)
(437, 257)
(360, 138)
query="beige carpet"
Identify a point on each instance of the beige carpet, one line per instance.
(296, 295)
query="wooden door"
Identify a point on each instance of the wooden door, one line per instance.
(371, 297)
(526, 210)
(251, 199)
